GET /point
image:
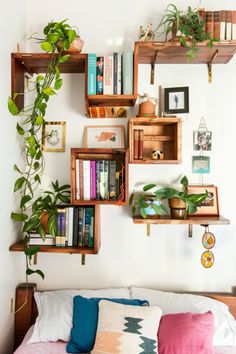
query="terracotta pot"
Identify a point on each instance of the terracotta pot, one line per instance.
(177, 208)
(75, 47)
(44, 221)
(146, 109)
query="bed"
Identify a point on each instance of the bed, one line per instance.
(26, 316)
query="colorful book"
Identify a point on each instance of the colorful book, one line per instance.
(223, 15)
(75, 227)
(101, 180)
(112, 179)
(97, 180)
(92, 73)
(115, 73)
(119, 75)
(80, 231)
(100, 67)
(87, 223)
(86, 179)
(91, 229)
(92, 180)
(127, 72)
(106, 180)
(216, 25)
(81, 191)
(108, 75)
(77, 180)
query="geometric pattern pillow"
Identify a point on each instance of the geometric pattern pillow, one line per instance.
(125, 329)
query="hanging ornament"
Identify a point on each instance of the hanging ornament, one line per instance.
(208, 240)
(207, 259)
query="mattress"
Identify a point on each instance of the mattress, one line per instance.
(60, 347)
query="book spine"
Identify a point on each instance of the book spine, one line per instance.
(216, 25)
(80, 231)
(101, 180)
(127, 72)
(86, 179)
(70, 225)
(63, 227)
(136, 143)
(77, 180)
(87, 222)
(234, 25)
(228, 35)
(117, 184)
(92, 180)
(81, 192)
(97, 180)
(112, 179)
(106, 180)
(140, 145)
(223, 16)
(108, 75)
(75, 227)
(92, 59)
(115, 73)
(38, 241)
(119, 76)
(100, 63)
(210, 22)
(91, 229)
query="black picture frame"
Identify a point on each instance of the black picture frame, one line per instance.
(176, 100)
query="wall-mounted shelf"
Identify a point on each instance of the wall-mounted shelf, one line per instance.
(193, 220)
(19, 247)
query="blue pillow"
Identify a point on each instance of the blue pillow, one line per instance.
(85, 319)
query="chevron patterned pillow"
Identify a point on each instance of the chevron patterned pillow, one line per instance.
(126, 329)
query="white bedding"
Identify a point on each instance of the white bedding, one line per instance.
(60, 347)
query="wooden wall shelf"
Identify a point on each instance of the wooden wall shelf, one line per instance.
(19, 247)
(162, 134)
(173, 53)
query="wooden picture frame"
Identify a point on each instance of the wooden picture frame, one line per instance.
(54, 136)
(200, 164)
(210, 206)
(176, 100)
(104, 136)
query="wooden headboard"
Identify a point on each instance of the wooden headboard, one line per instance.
(26, 310)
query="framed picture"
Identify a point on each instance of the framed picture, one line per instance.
(210, 206)
(104, 136)
(176, 100)
(53, 136)
(200, 164)
(202, 140)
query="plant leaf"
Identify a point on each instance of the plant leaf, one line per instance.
(16, 168)
(131, 198)
(25, 199)
(19, 129)
(58, 84)
(143, 213)
(19, 183)
(49, 91)
(12, 107)
(39, 78)
(39, 120)
(19, 217)
(64, 58)
(47, 46)
(148, 186)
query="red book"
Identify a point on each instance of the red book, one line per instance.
(216, 25)
(210, 22)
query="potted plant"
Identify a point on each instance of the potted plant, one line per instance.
(188, 28)
(147, 205)
(29, 127)
(180, 201)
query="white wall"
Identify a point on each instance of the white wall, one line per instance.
(13, 30)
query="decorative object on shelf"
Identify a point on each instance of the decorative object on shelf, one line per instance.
(146, 34)
(147, 108)
(210, 205)
(77, 44)
(181, 202)
(207, 259)
(30, 127)
(54, 136)
(147, 205)
(208, 240)
(201, 164)
(104, 136)
(176, 100)
(187, 28)
(157, 155)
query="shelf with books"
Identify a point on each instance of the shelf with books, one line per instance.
(155, 140)
(82, 233)
(99, 176)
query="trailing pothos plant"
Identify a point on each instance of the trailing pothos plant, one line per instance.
(56, 40)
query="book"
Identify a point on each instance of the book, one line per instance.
(97, 180)
(81, 191)
(77, 180)
(87, 223)
(92, 180)
(127, 72)
(136, 143)
(106, 180)
(119, 75)
(101, 180)
(92, 73)
(99, 79)
(210, 22)
(91, 229)
(234, 25)
(36, 239)
(75, 227)
(115, 73)
(216, 25)
(117, 184)
(140, 145)
(70, 218)
(86, 179)
(108, 112)
(80, 231)
(228, 31)
(223, 15)
(112, 179)
(108, 75)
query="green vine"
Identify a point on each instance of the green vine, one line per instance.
(57, 39)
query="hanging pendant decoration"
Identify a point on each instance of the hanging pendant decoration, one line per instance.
(207, 259)
(208, 242)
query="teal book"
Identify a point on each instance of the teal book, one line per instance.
(92, 73)
(127, 72)
(91, 229)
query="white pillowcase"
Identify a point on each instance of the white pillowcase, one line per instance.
(55, 310)
(224, 323)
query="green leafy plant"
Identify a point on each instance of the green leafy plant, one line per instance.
(192, 201)
(143, 202)
(29, 126)
(186, 27)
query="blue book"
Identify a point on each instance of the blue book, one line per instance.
(92, 73)
(127, 72)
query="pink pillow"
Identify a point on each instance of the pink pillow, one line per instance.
(186, 333)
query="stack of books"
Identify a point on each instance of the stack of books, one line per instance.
(138, 144)
(97, 180)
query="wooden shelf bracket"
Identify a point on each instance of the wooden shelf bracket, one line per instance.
(82, 259)
(152, 79)
(209, 66)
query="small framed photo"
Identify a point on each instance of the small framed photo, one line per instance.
(202, 140)
(104, 136)
(54, 136)
(209, 206)
(200, 164)
(176, 100)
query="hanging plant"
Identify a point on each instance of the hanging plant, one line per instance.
(29, 127)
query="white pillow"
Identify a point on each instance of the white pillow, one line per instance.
(224, 323)
(126, 329)
(55, 309)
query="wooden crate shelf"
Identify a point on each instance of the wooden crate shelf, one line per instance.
(162, 134)
(121, 158)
